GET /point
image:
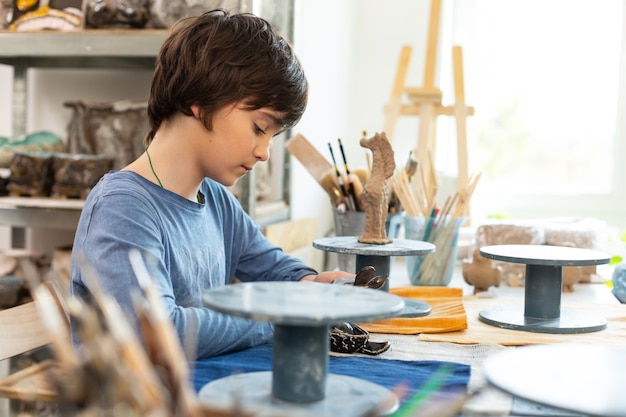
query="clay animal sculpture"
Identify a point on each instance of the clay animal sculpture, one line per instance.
(350, 337)
(376, 193)
(481, 273)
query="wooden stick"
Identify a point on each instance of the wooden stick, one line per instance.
(465, 195)
(445, 208)
(392, 109)
(432, 174)
(416, 201)
(308, 156)
(55, 324)
(132, 353)
(166, 338)
(422, 177)
(452, 201)
(437, 265)
(433, 41)
(404, 200)
(460, 115)
(404, 192)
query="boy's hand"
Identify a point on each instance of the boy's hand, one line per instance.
(327, 276)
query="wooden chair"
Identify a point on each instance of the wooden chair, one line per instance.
(23, 330)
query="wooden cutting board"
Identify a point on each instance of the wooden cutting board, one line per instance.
(309, 156)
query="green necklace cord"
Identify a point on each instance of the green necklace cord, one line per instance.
(152, 168)
(199, 196)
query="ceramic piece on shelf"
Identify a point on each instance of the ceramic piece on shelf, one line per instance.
(31, 174)
(40, 141)
(64, 15)
(113, 129)
(165, 13)
(76, 174)
(6, 13)
(101, 14)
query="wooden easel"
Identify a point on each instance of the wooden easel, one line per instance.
(426, 103)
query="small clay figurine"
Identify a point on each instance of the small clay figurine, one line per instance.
(376, 193)
(366, 278)
(350, 337)
(481, 273)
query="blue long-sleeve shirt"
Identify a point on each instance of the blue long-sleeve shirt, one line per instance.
(189, 248)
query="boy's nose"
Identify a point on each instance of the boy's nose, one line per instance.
(262, 151)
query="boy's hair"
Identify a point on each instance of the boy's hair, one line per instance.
(217, 59)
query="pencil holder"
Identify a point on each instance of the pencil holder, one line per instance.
(348, 223)
(435, 269)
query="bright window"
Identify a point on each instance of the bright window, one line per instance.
(543, 77)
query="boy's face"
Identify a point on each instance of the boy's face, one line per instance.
(239, 138)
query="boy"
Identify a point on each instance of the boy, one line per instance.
(223, 86)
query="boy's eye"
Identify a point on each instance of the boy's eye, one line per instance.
(257, 129)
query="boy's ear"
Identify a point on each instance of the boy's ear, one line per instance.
(195, 109)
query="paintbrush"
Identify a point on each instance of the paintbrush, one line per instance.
(342, 186)
(351, 178)
(165, 338)
(411, 166)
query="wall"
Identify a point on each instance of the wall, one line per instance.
(349, 50)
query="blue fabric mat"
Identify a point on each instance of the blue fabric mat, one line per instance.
(385, 372)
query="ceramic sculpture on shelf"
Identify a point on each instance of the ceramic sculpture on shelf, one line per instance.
(76, 174)
(376, 193)
(35, 15)
(114, 129)
(481, 273)
(39, 141)
(102, 14)
(164, 13)
(31, 174)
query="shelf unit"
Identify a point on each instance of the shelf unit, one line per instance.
(106, 49)
(115, 49)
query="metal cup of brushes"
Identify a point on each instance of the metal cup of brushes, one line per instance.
(435, 269)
